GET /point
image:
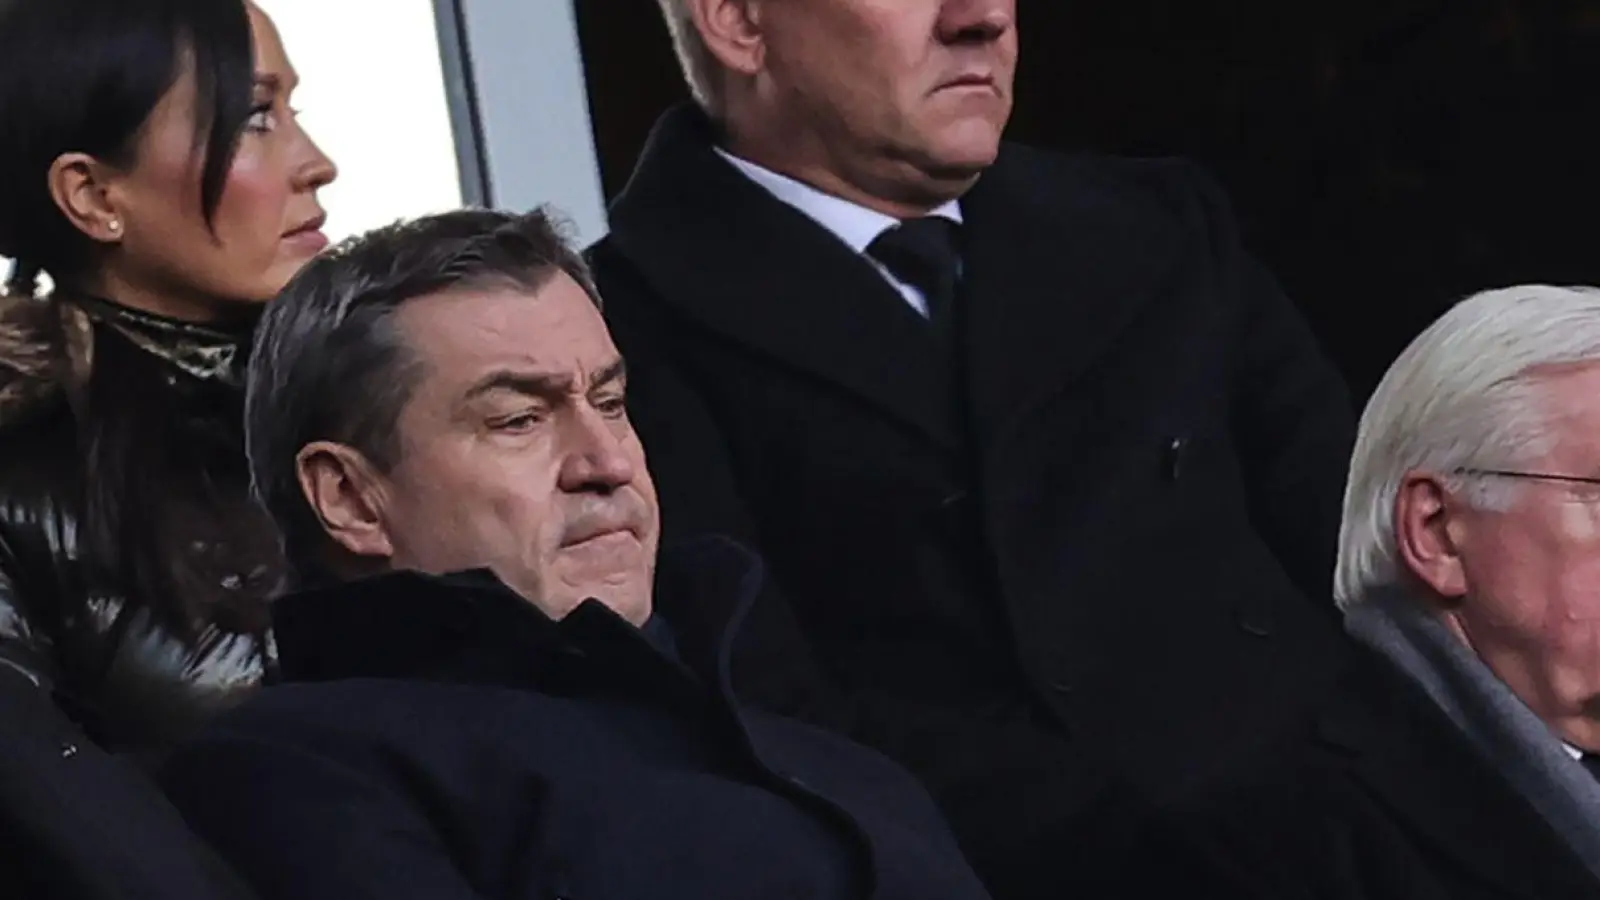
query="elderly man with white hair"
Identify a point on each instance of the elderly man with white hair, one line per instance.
(1459, 755)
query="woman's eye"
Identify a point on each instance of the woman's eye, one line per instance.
(261, 119)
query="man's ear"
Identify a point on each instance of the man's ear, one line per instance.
(731, 32)
(82, 189)
(1427, 531)
(345, 493)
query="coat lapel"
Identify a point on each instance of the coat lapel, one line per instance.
(1057, 260)
(1407, 754)
(1057, 264)
(724, 252)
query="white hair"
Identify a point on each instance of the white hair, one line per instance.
(699, 68)
(1459, 397)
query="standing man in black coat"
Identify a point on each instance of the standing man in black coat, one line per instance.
(1080, 457)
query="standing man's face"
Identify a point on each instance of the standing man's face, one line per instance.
(905, 91)
(517, 453)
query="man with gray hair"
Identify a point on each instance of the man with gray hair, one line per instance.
(1458, 755)
(1080, 456)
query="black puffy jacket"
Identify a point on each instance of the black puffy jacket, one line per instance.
(94, 681)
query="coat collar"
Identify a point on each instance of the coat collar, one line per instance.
(205, 352)
(48, 349)
(1057, 260)
(851, 222)
(469, 627)
(1407, 753)
(702, 235)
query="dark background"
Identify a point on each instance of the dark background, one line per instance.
(1386, 156)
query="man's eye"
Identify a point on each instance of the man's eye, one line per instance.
(516, 423)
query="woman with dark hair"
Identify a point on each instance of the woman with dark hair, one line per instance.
(152, 168)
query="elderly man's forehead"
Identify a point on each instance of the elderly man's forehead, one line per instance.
(1566, 397)
(1563, 369)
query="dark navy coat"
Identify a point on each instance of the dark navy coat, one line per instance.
(440, 739)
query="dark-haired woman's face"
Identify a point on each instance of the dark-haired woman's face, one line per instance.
(267, 224)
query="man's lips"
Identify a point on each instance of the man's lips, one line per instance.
(597, 532)
(970, 80)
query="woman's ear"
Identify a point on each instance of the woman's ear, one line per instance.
(80, 185)
(345, 493)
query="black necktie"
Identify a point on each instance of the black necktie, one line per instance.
(923, 253)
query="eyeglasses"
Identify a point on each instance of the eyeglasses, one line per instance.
(1533, 476)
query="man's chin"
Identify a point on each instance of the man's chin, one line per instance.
(970, 150)
(583, 582)
(626, 594)
(960, 153)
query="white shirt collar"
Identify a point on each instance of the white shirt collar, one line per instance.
(852, 223)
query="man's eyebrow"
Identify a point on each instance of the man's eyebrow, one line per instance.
(540, 384)
(616, 371)
(534, 384)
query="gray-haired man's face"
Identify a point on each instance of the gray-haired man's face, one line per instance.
(1520, 582)
(517, 453)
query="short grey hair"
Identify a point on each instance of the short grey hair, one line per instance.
(1462, 395)
(694, 57)
(329, 364)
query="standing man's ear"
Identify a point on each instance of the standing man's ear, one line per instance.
(731, 32)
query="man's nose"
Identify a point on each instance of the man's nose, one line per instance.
(596, 457)
(976, 21)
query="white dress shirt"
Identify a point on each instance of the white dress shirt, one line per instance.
(852, 223)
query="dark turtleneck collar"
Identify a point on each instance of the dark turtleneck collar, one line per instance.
(468, 626)
(212, 352)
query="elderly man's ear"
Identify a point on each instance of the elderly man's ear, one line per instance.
(347, 495)
(1428, 529)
